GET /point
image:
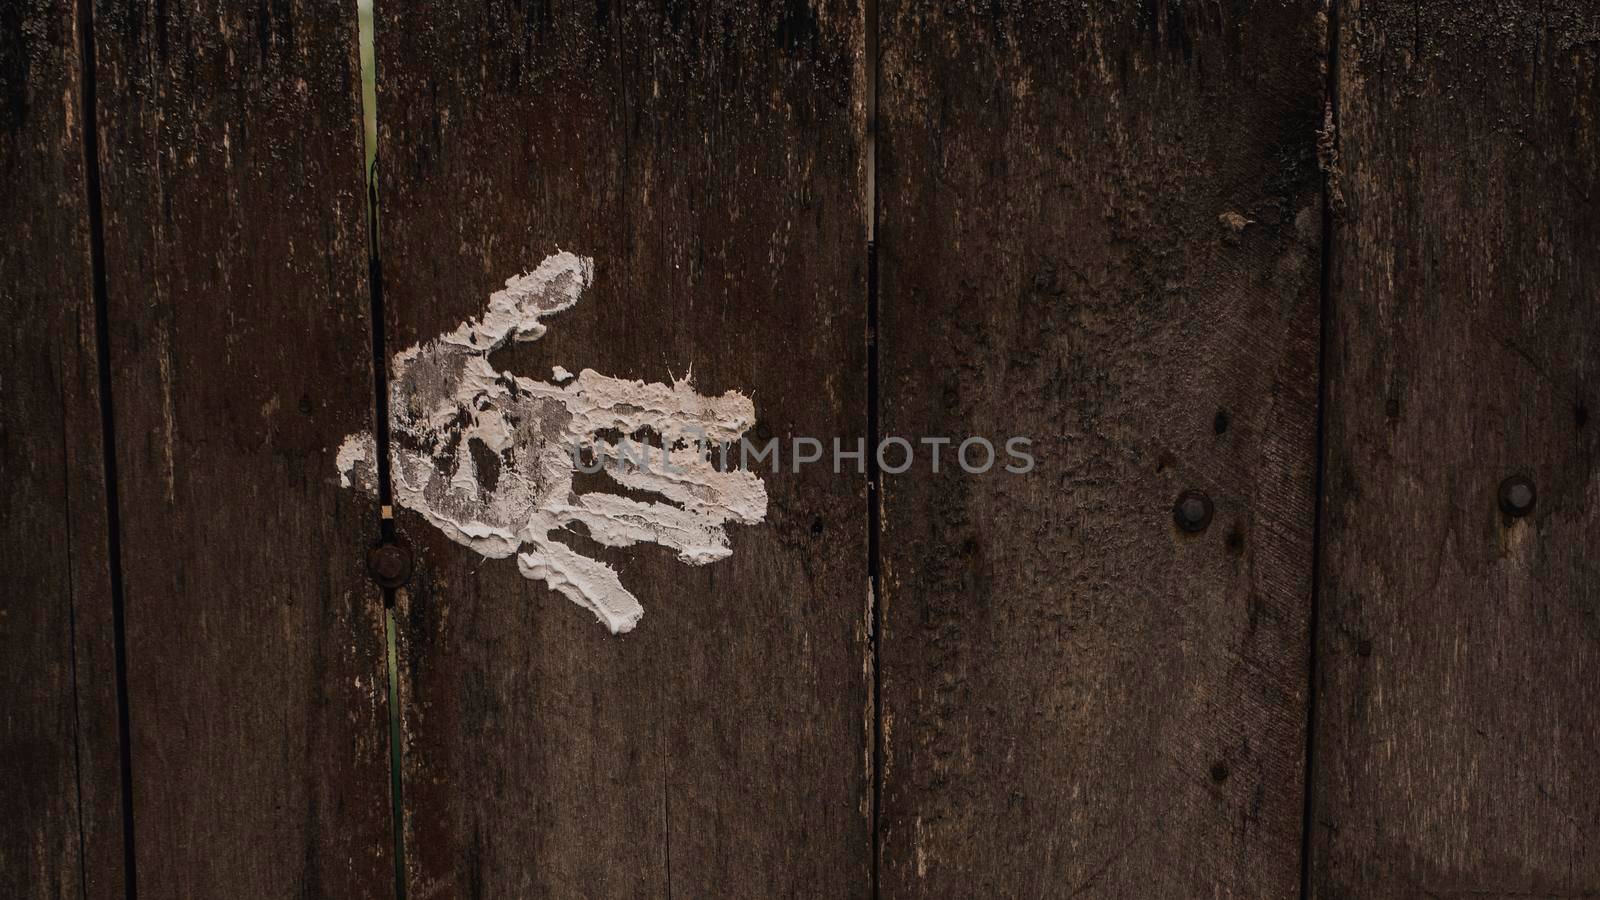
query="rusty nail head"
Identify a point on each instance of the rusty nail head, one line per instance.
(1517, 496)
(1193, 511)
(389, 565)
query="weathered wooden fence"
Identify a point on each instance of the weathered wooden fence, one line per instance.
(1334, 265)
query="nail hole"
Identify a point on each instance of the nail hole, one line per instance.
(1220, 423)
(816, 527)
(1219, 772)
(1364, 648)
(305, 404)
(1235, 539)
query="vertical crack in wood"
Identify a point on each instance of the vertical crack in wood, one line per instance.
(72, 663)
(874, 475)
(108, 445)
(666, 814)
(380, 370)
(875, 589)
(396, 797)
(367, 52)
(1331, 197)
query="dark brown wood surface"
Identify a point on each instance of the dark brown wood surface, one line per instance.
(1099, 227)
(236, 250)
(61, 835)
(709, 158)
(1145, 236)
(1459, 649)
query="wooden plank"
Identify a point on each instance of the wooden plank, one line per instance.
(1099, 228)
(236, 255)
(708, 157)
(1457, 653)
(58, 731)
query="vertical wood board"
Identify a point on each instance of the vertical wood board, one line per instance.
(709, 159)
(1455, 747)
(236, 259)
(1099, 228)
(58, 731)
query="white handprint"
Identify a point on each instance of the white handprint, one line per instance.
(445, 397)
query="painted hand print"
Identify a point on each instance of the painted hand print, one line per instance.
(489, 457)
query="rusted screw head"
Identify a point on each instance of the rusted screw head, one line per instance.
(1192, 511)
(389, 565)
(1517, 496)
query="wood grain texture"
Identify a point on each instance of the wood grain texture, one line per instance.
(241, 354)
(1099, 228)
(62, 832)
(709, 158)
(1458, 655)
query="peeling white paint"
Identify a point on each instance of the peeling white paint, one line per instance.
(447, 403)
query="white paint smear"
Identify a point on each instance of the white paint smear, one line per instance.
(487, 456)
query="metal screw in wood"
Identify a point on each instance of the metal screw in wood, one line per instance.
(389, 565)
(1518, 496)
(1192, 511)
